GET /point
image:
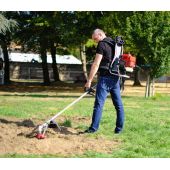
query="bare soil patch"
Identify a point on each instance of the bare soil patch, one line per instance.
(15, 139)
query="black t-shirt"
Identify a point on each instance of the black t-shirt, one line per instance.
(104, 48)
(107, 51)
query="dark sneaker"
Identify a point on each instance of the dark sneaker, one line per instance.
(89, 131)
(117, 132)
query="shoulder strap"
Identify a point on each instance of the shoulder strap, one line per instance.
(110, 43)
(118, 47)
(118, 40)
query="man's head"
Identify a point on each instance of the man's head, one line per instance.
(98, 35)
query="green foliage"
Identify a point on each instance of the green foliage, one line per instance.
(6, 24)
(146, 34)
(149, 33)
(67, 123)
(157, 96)
(90, 43)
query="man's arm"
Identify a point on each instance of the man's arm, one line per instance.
(94, 69)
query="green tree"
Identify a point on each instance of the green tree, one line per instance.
(7, 26)
(78, 27)
(54, 27)
(149, 33)
(33, 35)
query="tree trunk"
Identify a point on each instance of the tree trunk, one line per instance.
(147, 90)
(43, 54)
(137, 77)
(54, 64)
(83, 60)
(153, 87)
(150, 87)
(7, 65)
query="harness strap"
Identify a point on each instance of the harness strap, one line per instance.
(118, 48)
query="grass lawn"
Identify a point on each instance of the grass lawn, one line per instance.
(147, 122)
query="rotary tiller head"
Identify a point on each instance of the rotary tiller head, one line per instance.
(41, 131)
(40, 136)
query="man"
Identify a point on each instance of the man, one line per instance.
(106, 83)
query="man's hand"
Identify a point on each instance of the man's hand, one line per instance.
(88, 84)
(89, 89)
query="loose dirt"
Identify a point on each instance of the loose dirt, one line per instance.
(16, 138)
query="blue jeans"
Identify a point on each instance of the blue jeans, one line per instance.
(108, 84)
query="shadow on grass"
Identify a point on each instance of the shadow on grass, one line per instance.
(64, 131)
(20, 87)
(25, 123)
(47, 96)
(128, 97)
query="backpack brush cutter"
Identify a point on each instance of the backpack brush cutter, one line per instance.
(40, 130)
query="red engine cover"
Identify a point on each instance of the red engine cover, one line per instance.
(130, 61)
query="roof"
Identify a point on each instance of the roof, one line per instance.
(24, 57)
(65, 59)
(32, 57)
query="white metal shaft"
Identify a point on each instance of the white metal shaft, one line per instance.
(120, 75)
